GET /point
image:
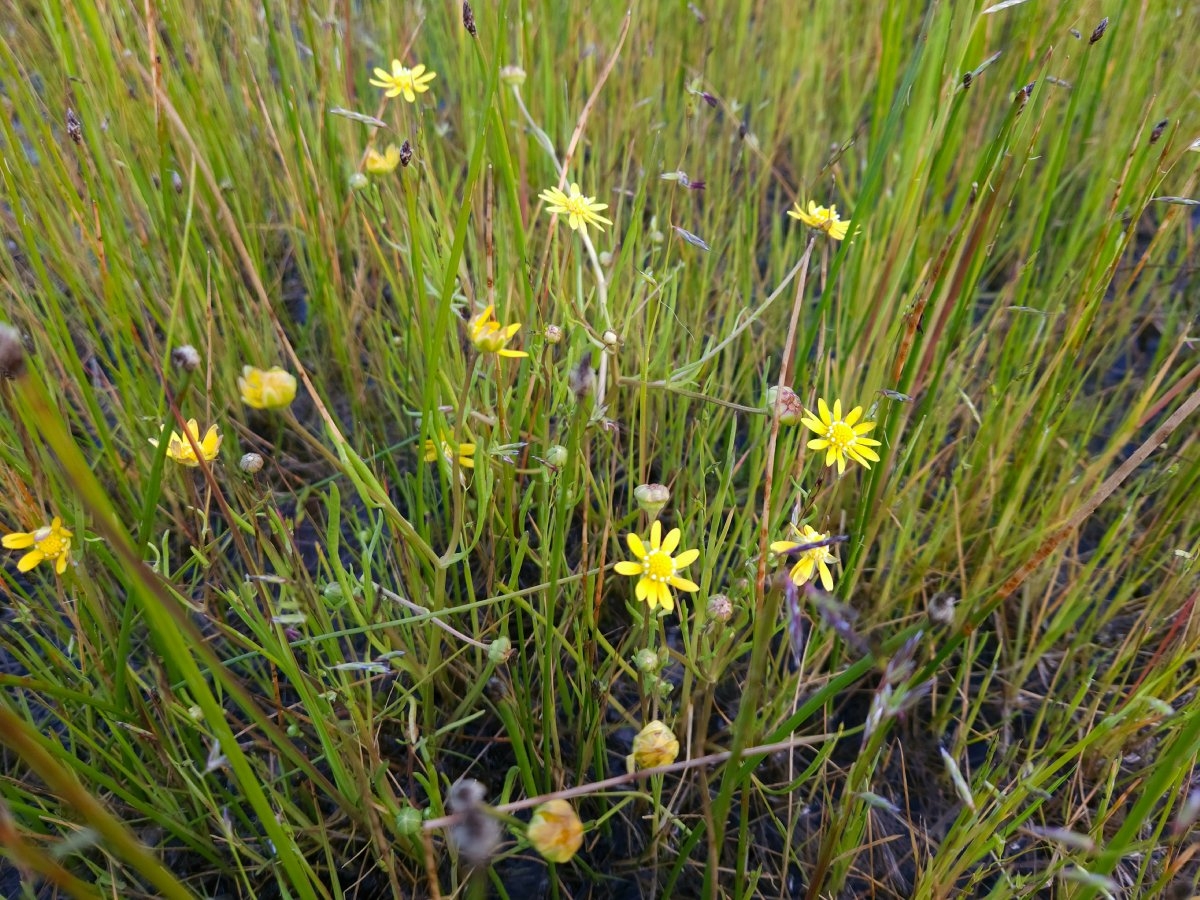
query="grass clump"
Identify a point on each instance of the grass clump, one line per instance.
(542, 449)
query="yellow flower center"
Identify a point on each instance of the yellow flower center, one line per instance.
(658, 566)
(48, 541)
(577, 205)
(841, 435)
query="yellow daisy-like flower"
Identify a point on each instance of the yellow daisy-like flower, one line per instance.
(382, 163)
(490, 336)
(445, 448)
(180, 449)
(50, 542)
(812, 562)
(655, 745)
(555, 831)
(270, 389)
(841, 438)
(822, 219)
(655, 568)
(402, 80)
(580, 211)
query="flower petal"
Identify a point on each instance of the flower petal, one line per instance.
(683, 584)
(643, 589)
(671, 541)
(656, 535)
(818, 444)
(628, 567)
(782, 546)
(826, 576)
(853, 415)
(30, 559)
(636, 547)
(686, 558)
(823, 412)
(18, 540)
(666, 598)
(61, 565)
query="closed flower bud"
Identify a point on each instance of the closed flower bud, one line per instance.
(655, 745)
(408, 821)
(646, 660)
(358, 181)
(555, 831)
(791, 410)
(651, 498)
(251, 463)
(720, 608)
(556, 455)
(553, 334)
(499, 650)
(612, 340)
(513, 75)
(186, 358)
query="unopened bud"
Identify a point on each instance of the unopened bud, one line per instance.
(646, 660)
(553, 334)
(611, 340)
(791, 410)
(251, 463)
(655, 745)
(499, 650)
(557, 455)
(358, 181)
(186, 358)
(651, 498)
(408, 821)
(513, 75)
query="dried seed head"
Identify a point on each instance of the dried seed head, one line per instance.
(720, 608)
(469, 19)
(186, 357)
(1099, 30)
(74, 126)
(583, 379)
(612, 340)
(12, 352)
(406, 153)
(941, 608)
(1158, 130)
(476, 834)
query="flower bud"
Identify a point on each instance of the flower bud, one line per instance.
(651, 498)
(557, 455)
(720, 608)
(646, 660)
(553, 334)
(186, 358)
(499, 650)
(513, 75)
(655, 745)
(791, 410)
(251, 463)
(358, 181)
(612, 340)
(555, 831)
(408, 821)
(605, 258)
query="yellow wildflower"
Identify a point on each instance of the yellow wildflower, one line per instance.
(656, 569)
(555, 831)
(50, 542)
(822, 219)
(383, 163)
(270, 389)
(490, 336)
(446, 448)
(402, 80)
(655, 745)
(841, 438)
(580, 211)
(811, 562)
(179, 448)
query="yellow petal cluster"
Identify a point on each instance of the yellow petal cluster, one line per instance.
(580, 211)
(841, 438)
(179, 448)
(445, 448)
(490, 336)
(555, 831)
(822, 218)
(655, 745)
(51, 543)
(812, 562)
(270, 389)
(656, 569)
(403, 80)
(383, 163)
